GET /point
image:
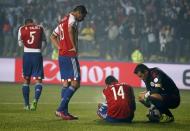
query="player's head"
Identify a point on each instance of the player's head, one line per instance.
(141, 71)
(28, 21)
(110, 80)
(80, 12)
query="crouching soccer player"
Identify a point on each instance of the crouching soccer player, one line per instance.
(32, 37)
(120, 102)
(161, 91)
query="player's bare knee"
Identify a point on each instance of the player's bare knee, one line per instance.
(26, 80)
(65, 83)
(75, 84)
(38, 80)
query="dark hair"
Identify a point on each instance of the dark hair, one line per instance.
(28, 20)
(110, 79)
(141, 68)
(81, 9)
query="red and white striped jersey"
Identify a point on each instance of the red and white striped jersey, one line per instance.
(31, 36)
(120, 100)
(62, 31)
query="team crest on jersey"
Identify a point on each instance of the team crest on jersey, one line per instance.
(151, 83)
(155, 80)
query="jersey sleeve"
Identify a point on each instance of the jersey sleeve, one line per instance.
(56, 31)
(132, 97)
(72, 22)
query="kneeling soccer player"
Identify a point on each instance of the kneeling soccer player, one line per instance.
(120, 102)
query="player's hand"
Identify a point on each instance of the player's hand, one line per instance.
(141, 95)
(73, 49)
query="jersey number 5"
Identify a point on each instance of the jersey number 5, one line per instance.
(31, 40)
(120, 92)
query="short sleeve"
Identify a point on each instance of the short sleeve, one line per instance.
(56, 31)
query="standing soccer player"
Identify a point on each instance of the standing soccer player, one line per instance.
(162, 93)
(65, 39)
(120, 102)
(32, 37)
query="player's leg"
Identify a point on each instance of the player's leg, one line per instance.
(37, 94)
(27, 67)
(38, 75)
(26, 93)
(102, 111)
(160, 103)
(75, 82)
(170, 102)
(66, 96)
(152, 105)
(62, 110)
(62, 105)
(70, 92)
(70, 73)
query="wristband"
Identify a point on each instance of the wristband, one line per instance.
(147, 95)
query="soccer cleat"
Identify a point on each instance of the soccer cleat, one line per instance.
(62, 115)
(73, 117)
(166, 119)
(34, 105)
(27, 108)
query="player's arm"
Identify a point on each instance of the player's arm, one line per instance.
(44, 42)
(72, 37)
(20, 43)
(157, 86)
(54, 40)
(132, 98)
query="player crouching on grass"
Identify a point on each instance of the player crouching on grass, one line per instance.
(161, 92)
(120, 106)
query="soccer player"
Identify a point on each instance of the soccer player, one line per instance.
(120, 102)
(32, 37)
(65, 39)
(161, 91)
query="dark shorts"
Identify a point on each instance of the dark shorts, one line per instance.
(69, 68)
(33, 65)
(171, 101)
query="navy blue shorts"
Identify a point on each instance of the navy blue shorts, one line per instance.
(69, 68)
(102, 113)
(33, 65)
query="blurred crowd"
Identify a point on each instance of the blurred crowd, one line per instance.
(119, 30)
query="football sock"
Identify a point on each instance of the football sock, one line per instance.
(68, 93)
(26, 92)
(38, 90)
(62, 91)
(62, 94)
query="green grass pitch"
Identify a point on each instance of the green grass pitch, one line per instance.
(84, 105)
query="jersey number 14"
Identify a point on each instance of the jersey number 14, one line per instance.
(119, 93)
